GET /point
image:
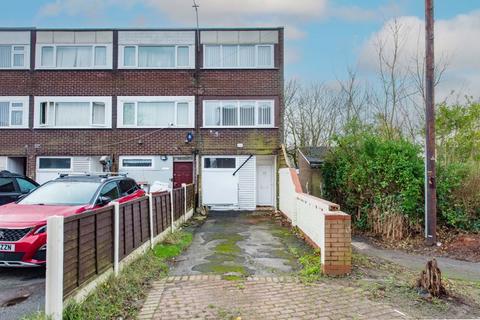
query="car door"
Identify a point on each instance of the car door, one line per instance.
(110, 190)
(8, 191)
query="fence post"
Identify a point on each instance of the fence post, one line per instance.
(54, 272)
(184, 186)
(171, 211)
(116, 240)
(150, 214)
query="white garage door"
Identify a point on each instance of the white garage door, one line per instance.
(219, 185)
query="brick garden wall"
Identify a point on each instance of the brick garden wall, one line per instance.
(338, 248)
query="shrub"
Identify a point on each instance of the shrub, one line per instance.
(458, 196)
(379, 181)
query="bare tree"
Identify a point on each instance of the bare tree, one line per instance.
(311, 114)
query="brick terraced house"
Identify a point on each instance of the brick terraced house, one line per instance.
(170, 105)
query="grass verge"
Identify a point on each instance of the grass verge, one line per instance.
(122, 297)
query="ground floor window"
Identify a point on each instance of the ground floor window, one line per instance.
(137, 163)
(54, 163)
(219, 163)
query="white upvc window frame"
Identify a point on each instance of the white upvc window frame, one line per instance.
(54, 169)
(25, 101)
(26, 56)
(257, 66)
(109, 56)
(238, 102)
(219, 169)
(136, 99)
(121, 166)
(83, 99)
(121, 57)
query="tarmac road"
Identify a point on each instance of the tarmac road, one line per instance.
(23, 289)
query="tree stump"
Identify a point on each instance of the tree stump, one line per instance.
(431, 280)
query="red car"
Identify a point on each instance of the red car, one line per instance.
(23, 223)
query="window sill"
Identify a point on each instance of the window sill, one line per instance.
(238, 68)
(136, 128)
(156, 68)
(14, 128)
(15, 69)
(248, 128)
(72, 128)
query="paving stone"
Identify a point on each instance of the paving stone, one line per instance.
(215, 298)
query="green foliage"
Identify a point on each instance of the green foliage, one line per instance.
(458, 195)
(366, 171)
(458, 133)
(173, 245)
(311, 267)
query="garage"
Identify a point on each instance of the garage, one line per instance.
(49, 168)
(238, 182)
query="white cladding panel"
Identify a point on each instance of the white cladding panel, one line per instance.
(246, 183)
(239, 37)
(156, 37)
(14, 37)
(74, 37)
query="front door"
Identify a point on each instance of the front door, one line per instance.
(264, 185)
(182, 173)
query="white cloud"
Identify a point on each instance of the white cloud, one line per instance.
(455, 41)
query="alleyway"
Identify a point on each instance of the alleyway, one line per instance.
(243, 266)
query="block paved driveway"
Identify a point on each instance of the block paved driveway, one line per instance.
(242, 266)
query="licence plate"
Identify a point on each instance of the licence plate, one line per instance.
(7, 247)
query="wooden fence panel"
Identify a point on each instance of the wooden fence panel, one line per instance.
(190, 197)
(161, 211)
(88, 246)
(89, 236)
(178, 203)
(134, 225)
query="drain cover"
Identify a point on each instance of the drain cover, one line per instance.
(15, 300)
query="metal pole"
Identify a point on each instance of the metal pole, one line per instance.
(430, 187)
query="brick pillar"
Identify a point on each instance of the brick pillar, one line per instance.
(338, 249)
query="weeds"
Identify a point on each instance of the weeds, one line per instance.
(122, 296)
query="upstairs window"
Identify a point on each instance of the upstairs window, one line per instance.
(238, 56)
(13, 112)
(74, 57)
(238, 113)
(71, 112)
(151, 112)
(156, 57)
(13, 56)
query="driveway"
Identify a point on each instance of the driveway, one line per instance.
(244, 266)
(240, 244)
(22, 292)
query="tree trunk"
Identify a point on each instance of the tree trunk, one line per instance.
(431, 279)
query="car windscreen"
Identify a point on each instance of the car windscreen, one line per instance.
(62, 193)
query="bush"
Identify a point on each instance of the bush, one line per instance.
(378, 181)
(458, 196)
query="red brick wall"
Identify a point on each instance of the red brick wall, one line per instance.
(338, 248)
(262, 84)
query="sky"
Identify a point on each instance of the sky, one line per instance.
(324, 38)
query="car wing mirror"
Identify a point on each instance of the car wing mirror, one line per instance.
(103, 200)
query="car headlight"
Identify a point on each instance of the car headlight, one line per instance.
(40, 230)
